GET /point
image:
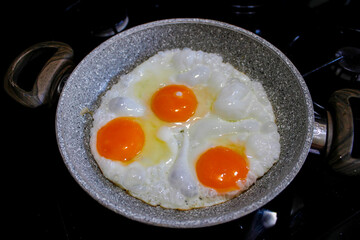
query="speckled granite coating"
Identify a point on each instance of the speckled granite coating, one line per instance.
(246, 51)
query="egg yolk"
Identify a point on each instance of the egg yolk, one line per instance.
(174, 103)
(121, 139)
(220, 168)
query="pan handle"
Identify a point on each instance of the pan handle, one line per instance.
(341, 157)
(55, 71)
(334, 132)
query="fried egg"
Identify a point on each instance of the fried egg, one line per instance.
(184, 130)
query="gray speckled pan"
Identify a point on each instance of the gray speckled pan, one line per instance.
(247, 52)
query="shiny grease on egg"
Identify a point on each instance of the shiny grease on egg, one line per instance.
(232, 111)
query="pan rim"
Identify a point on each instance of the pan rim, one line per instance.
(158, 221)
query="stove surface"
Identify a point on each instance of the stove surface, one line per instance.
(43, 201)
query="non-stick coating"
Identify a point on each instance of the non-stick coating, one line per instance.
(246, 51)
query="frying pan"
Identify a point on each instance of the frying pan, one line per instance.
(97, 72)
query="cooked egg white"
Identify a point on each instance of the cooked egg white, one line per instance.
(232, 114)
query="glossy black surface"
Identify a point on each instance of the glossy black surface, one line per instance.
(44, 202)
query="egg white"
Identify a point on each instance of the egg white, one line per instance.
(232, 109)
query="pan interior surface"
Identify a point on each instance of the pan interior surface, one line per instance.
(247, 52)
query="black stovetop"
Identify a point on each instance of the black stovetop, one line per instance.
(44, 202)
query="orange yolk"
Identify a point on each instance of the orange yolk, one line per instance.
(174, 103)
(121, 139)
(220, 168)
